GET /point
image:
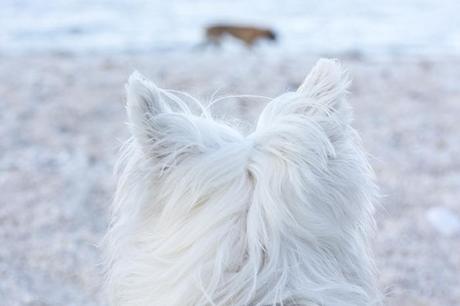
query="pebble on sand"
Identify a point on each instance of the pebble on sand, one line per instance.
(444, 220)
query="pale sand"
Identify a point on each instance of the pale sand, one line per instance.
(62, 122)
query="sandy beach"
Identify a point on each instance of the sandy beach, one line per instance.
(62, 122)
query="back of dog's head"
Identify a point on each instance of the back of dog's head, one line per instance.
(205, 213)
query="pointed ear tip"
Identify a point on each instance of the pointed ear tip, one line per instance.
(138, 83)
(135, 78)
(331, 65)
(327, 60)
(326, 72)
(134, 88)
(334, 68)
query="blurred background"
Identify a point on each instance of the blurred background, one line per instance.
(63, 66)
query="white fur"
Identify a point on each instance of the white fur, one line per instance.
(206, 216)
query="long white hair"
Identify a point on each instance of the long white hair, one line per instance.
(204, 215)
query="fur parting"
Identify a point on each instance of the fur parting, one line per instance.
(204, 215)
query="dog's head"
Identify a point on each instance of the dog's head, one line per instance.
(281, 214)
(271, 35)
(170, 131)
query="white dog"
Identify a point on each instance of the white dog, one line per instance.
(204, 215)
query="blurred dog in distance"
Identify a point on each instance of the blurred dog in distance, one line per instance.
(249, 35)
(204, 215)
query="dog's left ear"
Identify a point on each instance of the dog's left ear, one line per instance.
(143, 103)
(159, 122)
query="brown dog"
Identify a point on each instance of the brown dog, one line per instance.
(248, 34)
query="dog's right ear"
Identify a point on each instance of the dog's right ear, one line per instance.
(323, 92)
